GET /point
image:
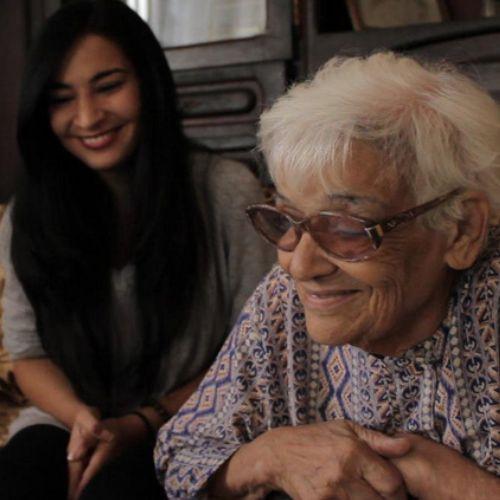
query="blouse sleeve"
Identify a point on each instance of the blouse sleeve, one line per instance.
(239, 399)
(18, 318)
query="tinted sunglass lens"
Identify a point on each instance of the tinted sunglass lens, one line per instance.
(275, 227)
(341, 236)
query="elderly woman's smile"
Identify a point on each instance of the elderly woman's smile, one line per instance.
(366, 364)
(384, 304)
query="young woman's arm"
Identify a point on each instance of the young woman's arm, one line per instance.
(170, 402)
(124, 431)
(93, 441)
(48, 388)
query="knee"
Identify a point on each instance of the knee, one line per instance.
(33, 464)
(37, 443)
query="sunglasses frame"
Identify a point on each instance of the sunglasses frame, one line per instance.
(375, 230)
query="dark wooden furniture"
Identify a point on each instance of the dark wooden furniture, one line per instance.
(224, 86)
(473, 45)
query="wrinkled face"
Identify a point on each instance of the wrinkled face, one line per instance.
(385, 304)
(94, 104)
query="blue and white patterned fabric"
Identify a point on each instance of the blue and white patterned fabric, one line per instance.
(270, 373)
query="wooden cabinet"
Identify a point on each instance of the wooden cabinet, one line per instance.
(473, 45)
(224, 86)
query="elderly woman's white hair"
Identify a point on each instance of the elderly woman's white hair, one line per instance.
(435, 128)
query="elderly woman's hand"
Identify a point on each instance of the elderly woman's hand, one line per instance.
(325, 460)
(432, 470)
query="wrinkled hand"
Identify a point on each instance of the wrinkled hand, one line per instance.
(335, 460)
(432, 470)
(108, 439)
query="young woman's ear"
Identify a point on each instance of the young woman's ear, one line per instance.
(468, 236)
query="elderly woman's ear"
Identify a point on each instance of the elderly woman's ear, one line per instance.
(467, 237)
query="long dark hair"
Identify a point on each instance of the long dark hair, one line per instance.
(64, 221)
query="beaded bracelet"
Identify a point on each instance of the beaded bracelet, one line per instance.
(164, 415)
(146, 422)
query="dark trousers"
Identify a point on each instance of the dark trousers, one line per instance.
(33, 466)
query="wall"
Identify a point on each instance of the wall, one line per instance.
(12, 56)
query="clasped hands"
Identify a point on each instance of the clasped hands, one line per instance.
(94, 442)
(342, 460)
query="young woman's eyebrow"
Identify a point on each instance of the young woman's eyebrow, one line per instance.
(95, 79)
(108, 72)
(59, 86)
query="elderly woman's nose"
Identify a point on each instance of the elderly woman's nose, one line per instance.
(307, 260)
(88, 112)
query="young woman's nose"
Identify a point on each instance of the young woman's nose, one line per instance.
(88, 113)
(307, 261)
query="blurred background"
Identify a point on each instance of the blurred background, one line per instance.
(232, 58)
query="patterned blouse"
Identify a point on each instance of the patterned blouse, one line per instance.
(270, 373)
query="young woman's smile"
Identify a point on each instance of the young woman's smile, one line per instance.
(95, 103)
(101, 140)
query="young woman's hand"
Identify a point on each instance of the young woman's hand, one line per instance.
(115, 435)
(86, 432)
(95, 442)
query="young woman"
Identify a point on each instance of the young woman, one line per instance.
(127, 258)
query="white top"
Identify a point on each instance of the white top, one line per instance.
(240, 259)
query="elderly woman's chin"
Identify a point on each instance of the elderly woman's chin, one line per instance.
(381, 321)
(342, 322)
(360, 330)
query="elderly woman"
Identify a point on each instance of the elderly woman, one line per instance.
(366, 365)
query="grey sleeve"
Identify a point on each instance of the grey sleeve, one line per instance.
(248, 256)
(18, 318)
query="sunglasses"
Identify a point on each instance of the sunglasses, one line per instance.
(342, 236)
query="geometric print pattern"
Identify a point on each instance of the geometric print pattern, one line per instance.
(269, 373)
